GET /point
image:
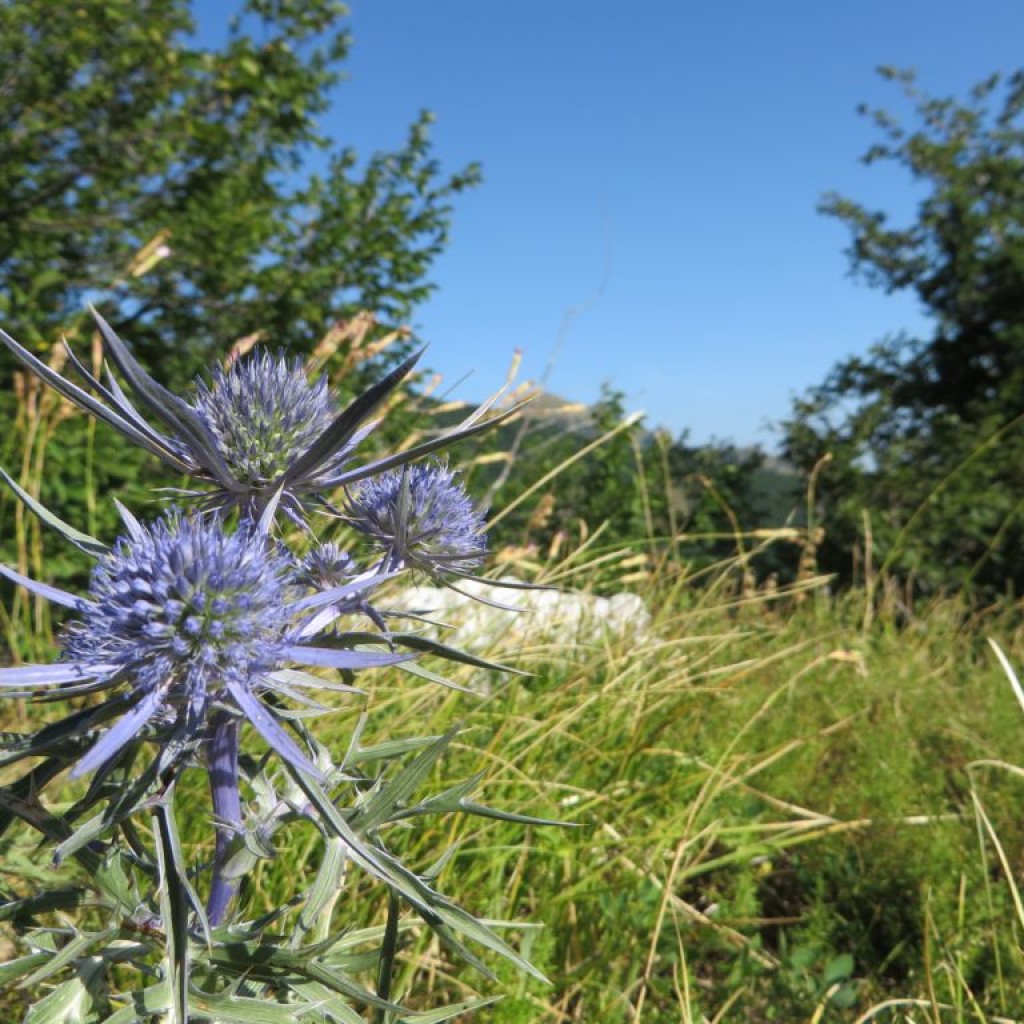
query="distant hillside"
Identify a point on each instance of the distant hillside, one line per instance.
(776, 490)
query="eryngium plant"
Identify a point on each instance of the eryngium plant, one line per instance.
(196, 629)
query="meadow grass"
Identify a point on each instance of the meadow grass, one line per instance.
(784, 810)
(781, 816)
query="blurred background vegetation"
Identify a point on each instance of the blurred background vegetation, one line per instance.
(799, 787)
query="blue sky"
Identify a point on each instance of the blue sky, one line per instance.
(652, 171)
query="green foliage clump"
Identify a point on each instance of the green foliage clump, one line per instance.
(925, 432)
(565, 474)
(169, 182)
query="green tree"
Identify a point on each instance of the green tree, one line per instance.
(714, 494)
(118, 128)
(190, 192)
(927, 451)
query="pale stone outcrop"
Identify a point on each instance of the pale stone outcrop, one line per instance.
(548, 616)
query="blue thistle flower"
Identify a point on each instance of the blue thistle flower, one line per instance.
(189, 615)
(422, 518)
(258, 432)
(264, 413)
(192, 619)
(192, 625)
(328, 566)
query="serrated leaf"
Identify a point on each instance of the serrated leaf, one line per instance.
(329, 1003)
(396, 791)
(145, 1005)
(270, 963)
(387, 750)
(448, 1012)
(174, 412)
(482, 811)
(464, 923)
(113, 880)
(453, 944)
(326, 884)
(345, 424)
(14, 969)
(114, 813)
(435, 869)
(373, 861)
(75, 949)
(225, 1008)
(423, 644)
(70, 1002)
(64, 735)
(453, 436)
(447, 801)
(145, 439)
(33, 813)
(30, 785)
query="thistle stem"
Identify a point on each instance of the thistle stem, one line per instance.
(222, 760)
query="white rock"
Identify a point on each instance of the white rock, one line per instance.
(541, 615)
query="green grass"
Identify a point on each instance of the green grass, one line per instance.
(780, 819)
(782, 816)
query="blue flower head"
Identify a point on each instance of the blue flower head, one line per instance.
(422, 518)
(185, 612)
(327, 565)
(264, 413)
(188, 620)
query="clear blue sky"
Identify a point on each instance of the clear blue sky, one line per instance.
(656, 166)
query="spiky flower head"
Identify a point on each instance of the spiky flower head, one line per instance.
(192, 621)
(257, 434)
(422, 518)
(184, 606)
(264, 413)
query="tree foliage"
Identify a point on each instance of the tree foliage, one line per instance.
(923, 431)
(120, 129)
